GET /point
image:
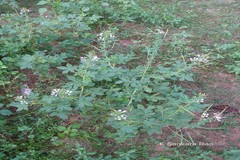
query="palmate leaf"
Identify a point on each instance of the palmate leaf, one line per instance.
(42, 10)
(84, 102)
(152, 125)
(63, 108)
(20, 106)
(42, 3)
(27, 62)
(68, 68)
(128, 129)
(125, 132)
(232, 154)
(62, 115)
(95, 18)
(187, 77)
(5, 112)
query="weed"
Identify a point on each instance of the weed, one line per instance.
(92, 100)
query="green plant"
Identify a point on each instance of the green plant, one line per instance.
(111, 100)
(82, 154)
(230, 55)
(231, 154)
(3, 72)
(194, 153)
(235, 66)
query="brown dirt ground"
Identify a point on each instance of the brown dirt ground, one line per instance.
(220, 88)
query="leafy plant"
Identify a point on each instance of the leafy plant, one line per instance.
(235, 66)
(230, 53)
(93, 93)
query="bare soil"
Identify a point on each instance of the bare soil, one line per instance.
(220, 87)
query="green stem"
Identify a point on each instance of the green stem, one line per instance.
(152, 52)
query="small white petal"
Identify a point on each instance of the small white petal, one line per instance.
(124, 111)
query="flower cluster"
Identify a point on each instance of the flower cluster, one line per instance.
(119, 114)
(95, 58)
(56, 92)
(68, 92)
(204, 115)
(159, 31)
(200, 59)
(217, 116)
(106, 36)
(200, 100)
(24, 10)
(21, 100)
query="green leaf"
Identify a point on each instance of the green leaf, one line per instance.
(31, 136)
(132, 130)
(83, 102)
(20, 106)
(61, 128)
(60, 115)
(2, 66)
(24, 128)
(147, 89)
(85, 9)
(42, 3)
(5, 112)
(42, 10)
(95, 18)
(105, 4)
(73, 134)
(75, 126)
(68, 68)
(27, 62)
(63, 108)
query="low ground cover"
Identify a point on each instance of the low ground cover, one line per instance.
(119, 79)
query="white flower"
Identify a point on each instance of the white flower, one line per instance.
(217, 116)
(119, 115)
(68, 92)
(83, 59)
(19, 97)
(106, 35)
(200, 59)
(21, 100)
(55, 92)
(204, 115)
(100, 37)
(159, 31)
(121, 111)
(95, 58)
(111, 36)
(24, 10)
(24, 102)
(200, 100)
(123, 116)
